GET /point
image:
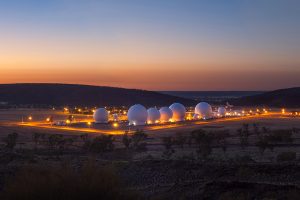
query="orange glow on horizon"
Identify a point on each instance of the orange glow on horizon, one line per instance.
(152, 45)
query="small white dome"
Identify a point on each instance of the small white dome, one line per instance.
(196, 116)
(165, 114)
(101, 115)
(115, 117)
(222, 111)
(153, 115)
(137, 115)
(204, 110)
(178, 111)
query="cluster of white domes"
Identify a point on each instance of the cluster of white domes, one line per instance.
(204, 110)
(101, 115)
(139, 115)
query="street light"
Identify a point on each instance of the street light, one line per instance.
(115, 125)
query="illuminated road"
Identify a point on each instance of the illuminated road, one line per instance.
(69, 128)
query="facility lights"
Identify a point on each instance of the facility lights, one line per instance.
(115, 125)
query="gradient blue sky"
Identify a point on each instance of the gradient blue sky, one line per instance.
(151, 44)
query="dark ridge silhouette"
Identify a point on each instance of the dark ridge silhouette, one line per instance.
(82, 95)
(289, 98)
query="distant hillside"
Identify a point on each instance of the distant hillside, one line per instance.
(82, 95)
(211, 96)
(279, 98)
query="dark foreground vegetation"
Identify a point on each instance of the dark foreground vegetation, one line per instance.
(252, 162)
(66, 183)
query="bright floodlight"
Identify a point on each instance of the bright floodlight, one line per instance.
(101, 115)
(204, 110)
(221, 111)
(137, 115)
(166, 114)
(153, 115)
(178, 111)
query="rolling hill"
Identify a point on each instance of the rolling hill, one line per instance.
(82, 95)
(289, 98)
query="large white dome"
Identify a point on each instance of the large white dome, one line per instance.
(101, 115)
(204, 110)
(178, 111)
(165, 114)
(153, 115)
(137, 115)
(222, 111)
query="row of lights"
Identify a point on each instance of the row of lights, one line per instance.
(189, 117)
(94, 110)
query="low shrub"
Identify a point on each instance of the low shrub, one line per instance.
(139, 140)
(10, 140)
(203, 141)
(281, 136)
(167, 142)
(126, 140)
(286, 156)
(180, 139)
(103, 143)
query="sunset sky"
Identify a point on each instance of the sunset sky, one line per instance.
(152, 44)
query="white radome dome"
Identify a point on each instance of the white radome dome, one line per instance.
(153, 115)
(101, 115)
(178, 111)
(204, 110)
(222, 111)
(196, 116)
(137, 115)
(166, 114)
